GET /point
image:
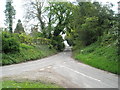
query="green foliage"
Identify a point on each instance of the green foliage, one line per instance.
(59, 13)
(27, 84)
(42, 41)
(102, 57)
(89, 31)
(27, 53)
(9, 43)
(25, 38)
(57, 43)
(19, 28)
(18, 48)
(36, 34)
(89, 22)
(25, 46)
(94, 36)
(0, 41)
(10, 14)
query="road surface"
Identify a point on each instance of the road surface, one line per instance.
(62, 70)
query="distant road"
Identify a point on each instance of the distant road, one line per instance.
(63, 70)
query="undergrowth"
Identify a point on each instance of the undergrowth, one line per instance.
(27, 53)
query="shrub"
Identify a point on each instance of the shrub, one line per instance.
(9, 43)
(25, 38)
(42, 41)
(25, 46)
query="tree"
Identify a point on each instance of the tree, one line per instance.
(59, 14)
(90, 21)
(19, 27)
(10, 14)
(34, 11)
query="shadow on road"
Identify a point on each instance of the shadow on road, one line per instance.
(67, 49)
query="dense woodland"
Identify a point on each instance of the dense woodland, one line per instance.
(91, 30)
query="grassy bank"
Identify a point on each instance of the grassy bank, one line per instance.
(27, 84)
(27, 53)
(100, 56)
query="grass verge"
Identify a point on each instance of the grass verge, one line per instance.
(102, 57)
(27, 84)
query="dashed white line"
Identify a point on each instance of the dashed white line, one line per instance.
(42, 69)
(49, 66)
(81, 73)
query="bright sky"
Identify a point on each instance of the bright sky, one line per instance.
(18, 5)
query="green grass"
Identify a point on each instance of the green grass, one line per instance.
(102, 57)
(0, 85)
(27, 53)
(27, 84)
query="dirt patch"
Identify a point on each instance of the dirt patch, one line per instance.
(44, 75)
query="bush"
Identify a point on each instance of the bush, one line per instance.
(18, 48)
(42, 41)
(25, 38)
(25, 46)
(9, 43)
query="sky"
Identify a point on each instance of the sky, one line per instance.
(18, 5)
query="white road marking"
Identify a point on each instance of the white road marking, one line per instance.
(49, 66)
(81, 74)
(42, 69)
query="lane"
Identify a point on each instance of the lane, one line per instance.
(28, 66)
(88, 80)
(101, 79)
(78, 74)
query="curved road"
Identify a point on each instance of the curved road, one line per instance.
(63, 70)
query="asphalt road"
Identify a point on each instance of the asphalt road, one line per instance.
(63, 70)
